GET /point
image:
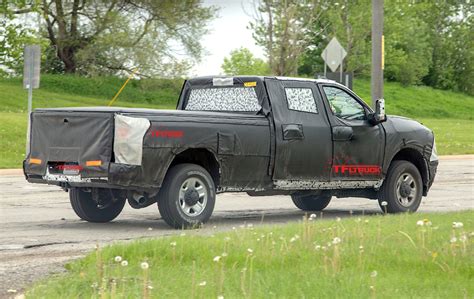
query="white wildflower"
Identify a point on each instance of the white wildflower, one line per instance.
(249, 250)
(373, 274)
(292, 240)
(336, 240)
(220, 297)
(458, 224)
(317, 247)
(202, 283)
(124, 263)
(358, 219)
(463, 238)
(338, 219)
(453, 240)
(420, 223)
(118, 259)
(150, 228)
(144, 265)
(217, 258)
(383, 203)
(11, 291)
(366, 221)
(150, 287)
(224, 254)
(182, 234)
(250, 225)
(173, 244)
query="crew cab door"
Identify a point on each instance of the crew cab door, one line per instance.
(303, 134)
(358, 145)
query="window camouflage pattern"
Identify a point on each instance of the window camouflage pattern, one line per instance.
(301, 99)
(243, 99)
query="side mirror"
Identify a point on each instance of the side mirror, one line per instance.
(379, 115)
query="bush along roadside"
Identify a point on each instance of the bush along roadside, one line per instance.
(416, 255)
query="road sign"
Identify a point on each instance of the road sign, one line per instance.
(31, 79)
(31, 68)
(333, 54)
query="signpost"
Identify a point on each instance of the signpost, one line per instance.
(31, 79)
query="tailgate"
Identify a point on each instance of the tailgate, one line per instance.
(62, 140)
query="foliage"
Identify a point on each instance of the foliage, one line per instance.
(405, 255)
(242, 62)
(13, 38)
(112, 37)
(430, 42)
(281, 28)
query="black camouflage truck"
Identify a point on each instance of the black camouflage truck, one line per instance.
(309, 139)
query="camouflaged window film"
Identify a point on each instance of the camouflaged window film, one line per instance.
(301, 99)
(243, 99)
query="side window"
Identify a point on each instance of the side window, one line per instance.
(243, 99)
(343, 105)
(301, 99)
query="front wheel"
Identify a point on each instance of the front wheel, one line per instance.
(311, 202)
(187, 196)
(402, 188)
(106, 207)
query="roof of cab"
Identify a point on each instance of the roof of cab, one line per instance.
(321, 80)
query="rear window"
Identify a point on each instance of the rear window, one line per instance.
(243, 99)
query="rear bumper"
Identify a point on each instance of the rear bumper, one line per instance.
(118, 176)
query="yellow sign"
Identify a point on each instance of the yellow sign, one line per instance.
(250, 84)
(383, 52)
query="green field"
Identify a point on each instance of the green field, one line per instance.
(449, 114)
(380, 256)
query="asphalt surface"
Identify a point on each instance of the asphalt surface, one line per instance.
(39, 232)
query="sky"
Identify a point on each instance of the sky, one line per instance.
(228, 31)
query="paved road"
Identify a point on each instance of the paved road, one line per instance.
(39, 231)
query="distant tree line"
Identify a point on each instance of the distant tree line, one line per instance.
(426, 42)
(103, 37)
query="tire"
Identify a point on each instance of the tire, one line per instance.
(402, 188)
(311, 202)
(87, 209)
(187, 196)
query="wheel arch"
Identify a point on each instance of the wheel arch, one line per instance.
(416, 158)
(202, 157)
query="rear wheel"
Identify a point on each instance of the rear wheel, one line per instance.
(104, 208)
(311, 202)
(187, 196)
(402, 188)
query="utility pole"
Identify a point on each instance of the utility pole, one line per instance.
(376, 82)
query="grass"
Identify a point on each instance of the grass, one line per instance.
(449, 114)
(381, 256)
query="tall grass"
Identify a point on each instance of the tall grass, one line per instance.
(402, 256)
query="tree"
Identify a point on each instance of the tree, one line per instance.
(243, 62)
(100, 37)
(281, 28)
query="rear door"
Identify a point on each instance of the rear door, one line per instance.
(303, 134)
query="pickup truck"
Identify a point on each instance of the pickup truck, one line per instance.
(309, 139)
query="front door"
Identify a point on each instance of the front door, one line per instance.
(303, 134)
(358, 145)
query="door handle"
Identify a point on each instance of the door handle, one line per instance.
(292, 132)
(342, 133)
